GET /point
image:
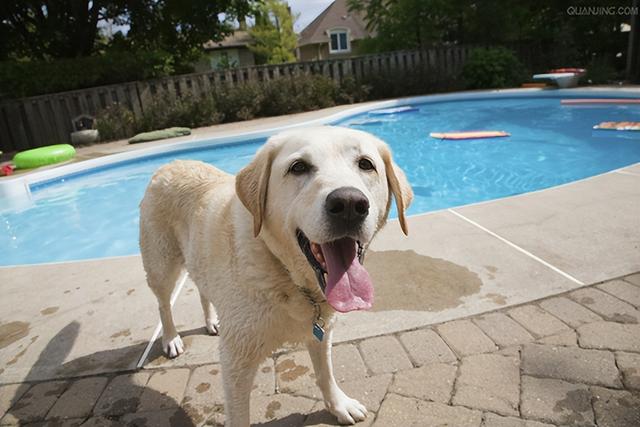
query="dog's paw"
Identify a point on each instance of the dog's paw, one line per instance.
(347, 410)
(212, 326)
(173, 347)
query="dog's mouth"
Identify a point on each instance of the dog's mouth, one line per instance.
(341, 275)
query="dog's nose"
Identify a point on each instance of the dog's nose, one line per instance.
(347, 205)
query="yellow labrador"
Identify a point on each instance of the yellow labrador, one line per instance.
(277, 249)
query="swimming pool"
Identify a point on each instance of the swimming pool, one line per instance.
(94, 213)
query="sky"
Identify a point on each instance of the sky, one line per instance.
(308, 10)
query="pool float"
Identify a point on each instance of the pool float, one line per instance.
(43, 156)
(394, 110)
(633, 126)
(6, 169)
(569, 70)
(368, 122)
(587, 101)
(160, 134)
(470, 134)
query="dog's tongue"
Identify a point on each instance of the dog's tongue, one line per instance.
(348, 283)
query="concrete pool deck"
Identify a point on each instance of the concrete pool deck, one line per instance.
(77, 325)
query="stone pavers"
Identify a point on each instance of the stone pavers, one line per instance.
(404, 411)
(629, 365)
(122, 394)
(430, 382)
(204, 395)
(493, 420)
(35, 403)
(502, 330)
(489, 382)
(572, 359)
(634, 279)
(571, 364)
(622, 290)
(608, 306)
(568, 338)
(616, 408)
(164, 390)
(465, 338)
(425, 346)
(79, 399)
(570, 312)
(610, 336)
(384, 354)
(347, 363)
(556, 401)
(537, 321)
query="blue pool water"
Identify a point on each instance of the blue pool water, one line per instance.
(96, 214)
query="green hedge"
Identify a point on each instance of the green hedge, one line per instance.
(229, 104)
(261, 99)
(19, 79)
(492, 68)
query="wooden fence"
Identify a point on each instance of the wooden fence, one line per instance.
(43, 120)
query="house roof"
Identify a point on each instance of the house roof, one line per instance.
(239, 38)
(336, 15)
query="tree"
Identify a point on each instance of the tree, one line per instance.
(182, 26)
(273, 35)
(559, 33)
(40, 29)
(406, 24)
(47, 29)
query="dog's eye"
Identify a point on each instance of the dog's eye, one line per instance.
(299, 167)
(365, 164)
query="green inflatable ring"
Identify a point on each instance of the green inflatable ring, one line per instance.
(43, 156)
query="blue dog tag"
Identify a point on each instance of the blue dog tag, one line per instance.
(318, 332)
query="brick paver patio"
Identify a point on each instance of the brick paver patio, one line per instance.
(571, 359)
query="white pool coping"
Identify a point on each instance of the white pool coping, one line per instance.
(15, 192)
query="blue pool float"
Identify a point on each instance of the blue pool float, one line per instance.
(368, 122)
(394, 110)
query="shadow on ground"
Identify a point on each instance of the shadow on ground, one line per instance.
(117, 405)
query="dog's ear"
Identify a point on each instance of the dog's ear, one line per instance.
(398, 186)
(252, 184)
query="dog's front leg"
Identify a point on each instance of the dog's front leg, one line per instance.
(346, 409)
(237, 377)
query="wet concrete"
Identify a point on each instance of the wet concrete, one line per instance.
(12, 331)
(409, 281)
(86, 306)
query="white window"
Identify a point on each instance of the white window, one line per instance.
(339, 41)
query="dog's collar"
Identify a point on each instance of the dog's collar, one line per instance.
(317, 326)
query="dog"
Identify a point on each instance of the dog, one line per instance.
(278, 249)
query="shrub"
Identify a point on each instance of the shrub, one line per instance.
(352, 91)
(241, 102)
(183, 112)
(489, 68)
(29, 78)
(249, 100)
(600, 71)
(297, 94)
(115, 122)
(119, 122)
